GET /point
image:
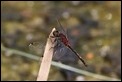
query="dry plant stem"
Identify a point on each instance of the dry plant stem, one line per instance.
(46, 61)
(57, 64)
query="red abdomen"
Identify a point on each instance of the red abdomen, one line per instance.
(64, 39)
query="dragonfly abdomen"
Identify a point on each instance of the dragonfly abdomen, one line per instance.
(77, 55)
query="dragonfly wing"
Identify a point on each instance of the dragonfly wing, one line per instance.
(59, 50)
(65, 32)
(36, 48)
(61, 27)
(59, 54)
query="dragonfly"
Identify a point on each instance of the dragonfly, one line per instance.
(62, 37)
(61, 41)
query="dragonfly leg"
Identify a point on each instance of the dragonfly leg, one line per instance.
(52, 36)
(42, 56)
(51, 39)
(53, 46)
(55, 49)
(54, 42)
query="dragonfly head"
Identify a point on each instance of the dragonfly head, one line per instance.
(56, 33)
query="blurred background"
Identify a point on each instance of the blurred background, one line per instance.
(93, 28)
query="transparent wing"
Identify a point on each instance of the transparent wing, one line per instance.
(61, 27)
(59, 51)
(37, 48)
(63, 54)
(62, 30)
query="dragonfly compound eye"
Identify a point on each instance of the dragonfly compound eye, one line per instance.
(56, 33)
